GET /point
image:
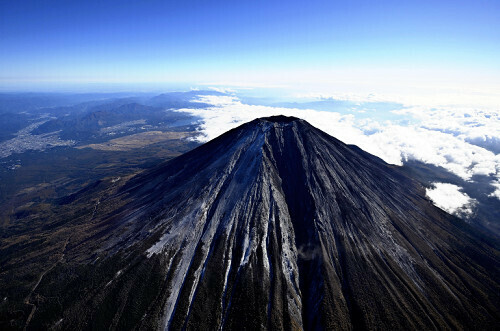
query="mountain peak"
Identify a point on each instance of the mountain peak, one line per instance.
(277, 226)
(279, 119)
(288, 228)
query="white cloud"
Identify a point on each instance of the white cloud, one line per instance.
(228, 112)
(496, 192)
(450, 198)
(221, 89)
(478, 127)
(434, 147)
(217, 100)
(442, 137)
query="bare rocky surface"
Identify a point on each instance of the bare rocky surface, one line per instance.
(273, 225)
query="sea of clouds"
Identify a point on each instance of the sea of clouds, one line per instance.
(464, 141)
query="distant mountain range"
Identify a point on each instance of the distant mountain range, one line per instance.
(273, 225)
(80, 116)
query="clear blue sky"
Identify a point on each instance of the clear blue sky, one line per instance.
(202, 41)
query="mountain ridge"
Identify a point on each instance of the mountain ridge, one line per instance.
(274, 225)
(292, 195)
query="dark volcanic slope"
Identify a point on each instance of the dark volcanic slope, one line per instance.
(278, 225)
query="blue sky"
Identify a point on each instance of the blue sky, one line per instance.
(245, 41)
(436, 61)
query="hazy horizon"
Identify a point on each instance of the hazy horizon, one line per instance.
(356, 47)
(415, 80)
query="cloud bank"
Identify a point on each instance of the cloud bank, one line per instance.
(463, 141)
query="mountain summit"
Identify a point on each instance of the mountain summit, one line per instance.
(277, 225)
